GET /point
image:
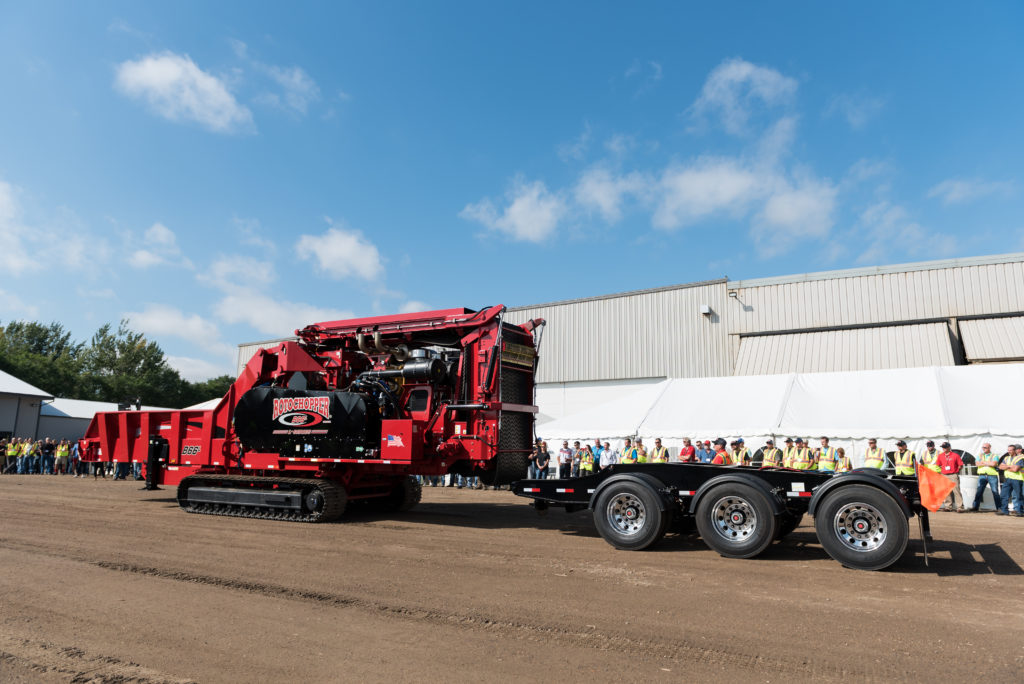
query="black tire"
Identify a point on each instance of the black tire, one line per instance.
(628, 515)
(407, 493)
(736, 520)
(787, 523)
(862, 527)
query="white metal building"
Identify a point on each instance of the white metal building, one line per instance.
(19, 407)
(937, 313)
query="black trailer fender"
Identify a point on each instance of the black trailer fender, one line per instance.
(664, 503)
(777, 506)
(859, 477)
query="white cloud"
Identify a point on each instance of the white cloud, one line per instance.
(708, 186)
(620, 144)
(11, 305)
(959, 190)
(30, 246)
(274, 316)
(298, 89)
(341, 253)
(233, 273)
(413, 306)
(648, 74)
(886, 229)
(158, 320)
(600, 190)
(198, 370)
(251, 234)
(174, 87)
(795, 213)
(734, 87)
(531, 215)
(160, 246)
(856, 109)
(577, 149)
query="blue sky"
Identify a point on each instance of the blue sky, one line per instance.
(225, 172)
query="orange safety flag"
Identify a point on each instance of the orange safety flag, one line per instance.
(934, 487)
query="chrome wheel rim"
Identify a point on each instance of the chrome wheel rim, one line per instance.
(734, 519)
(860, 527)
(626, 514)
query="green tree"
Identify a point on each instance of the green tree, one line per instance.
(125, 366)
(42, 355)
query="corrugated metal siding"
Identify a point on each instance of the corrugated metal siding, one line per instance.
(245, 351)
(905, 346)
(882, 298)
(993, 339)
(654, 334)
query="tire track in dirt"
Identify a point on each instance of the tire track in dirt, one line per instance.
(75, 665)
(681, 652)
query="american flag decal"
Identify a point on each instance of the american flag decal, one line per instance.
(395, 441)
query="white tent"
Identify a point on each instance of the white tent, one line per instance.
(615, 419)
(967, 405)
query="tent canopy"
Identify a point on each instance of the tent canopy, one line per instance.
(970, 404)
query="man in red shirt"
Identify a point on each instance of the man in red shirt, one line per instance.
(687, 454)
(951, 465)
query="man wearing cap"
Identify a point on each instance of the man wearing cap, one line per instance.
(740, 453)
(641, 451)
(721, 456)
(803, 458)
(1013, 470)
(826, 457)
(707, 452)
(770, 456)
(687, 454)
(874, 457)
(988, 476)
(903, 460)
(843, 464)
(928, 457)
(950, 464)
(787, 453)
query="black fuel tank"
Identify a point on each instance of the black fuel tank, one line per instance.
(315, 423)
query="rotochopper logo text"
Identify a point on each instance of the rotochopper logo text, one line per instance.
(304, 411)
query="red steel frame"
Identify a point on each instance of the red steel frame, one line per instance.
(425, 443)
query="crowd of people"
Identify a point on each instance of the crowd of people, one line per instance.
(24, 456)
(1002, 474)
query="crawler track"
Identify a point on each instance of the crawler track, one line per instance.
(332, 508)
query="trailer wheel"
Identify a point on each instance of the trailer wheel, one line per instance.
(787, 523)
(862, 527)
(736, 520)
(628, 516)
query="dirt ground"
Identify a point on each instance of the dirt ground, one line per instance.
(101, 582)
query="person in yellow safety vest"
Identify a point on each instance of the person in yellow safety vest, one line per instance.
(12, 455)
(587, 461)
(875, 455)
(770, 456)
(826, 457)
(787, 453)
(641, 451)
(903, 460)
(629, 454)
(988, 476)
(803, 457)
(740, 454)
(930, 457)
(843, 464)
(1013, 486)
(721, 456)
(63, 451)
(659, 454)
